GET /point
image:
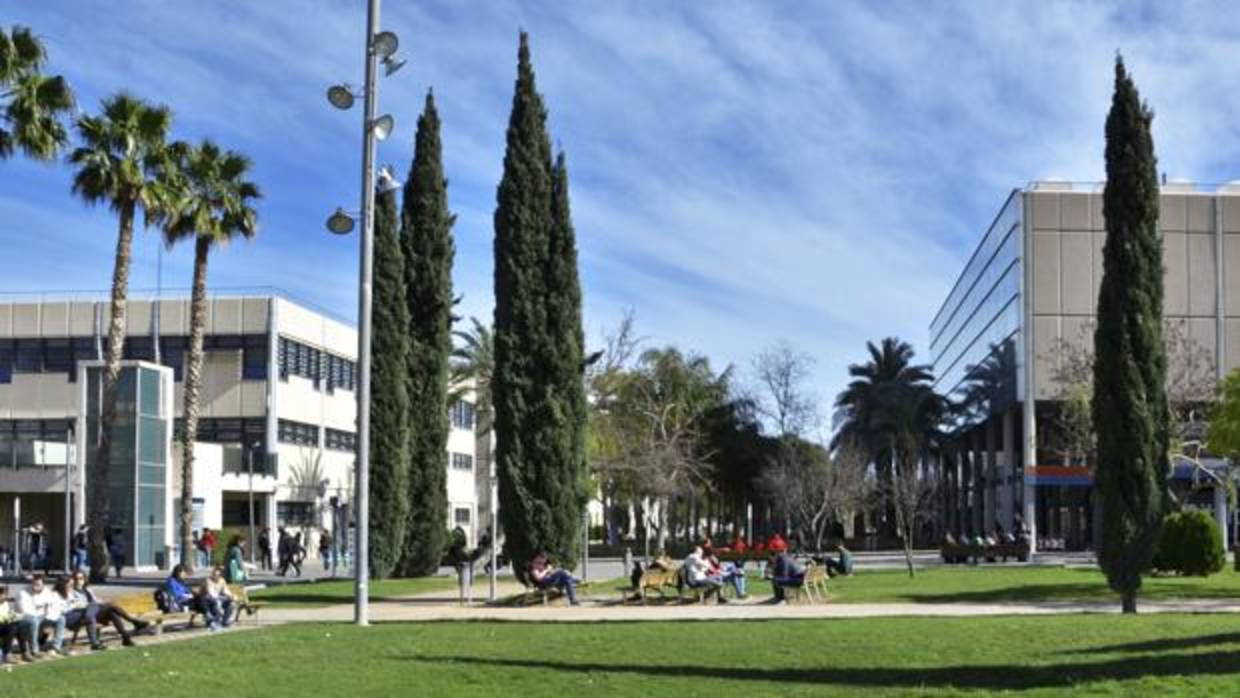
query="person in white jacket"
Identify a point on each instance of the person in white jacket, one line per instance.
(39, 606)
(698, 576)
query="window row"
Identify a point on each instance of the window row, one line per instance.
(295, 514)
(25, 442)
(462, 461)
(326, 370)
(248, 432)
(339, 440)
(62, 354)
(299, 433)
(462, 415)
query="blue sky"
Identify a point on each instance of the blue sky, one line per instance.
(741, 172)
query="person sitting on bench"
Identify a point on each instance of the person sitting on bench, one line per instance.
(546, 576)
(784, 572)
(10, 627)
(842, 564)
(79, 611)
(180, 596)
(216, 600)
(108, 613)
(39, 606)
(697, 575)
(729, 572)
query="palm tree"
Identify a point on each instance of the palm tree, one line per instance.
(123, 161)
(474, 361)
(211, 203)
(36, 102)
(865, 410)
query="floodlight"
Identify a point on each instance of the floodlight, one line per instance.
(385, 44)
(340, 222)
(340, 96)
(391, 64)
(382, 126)
(386, 180)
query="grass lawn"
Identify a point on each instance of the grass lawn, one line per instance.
(328, 593)
(998, 583)
(1163, 655)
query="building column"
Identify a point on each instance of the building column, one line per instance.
(989, 510)
(1008, 470)
(979, 483)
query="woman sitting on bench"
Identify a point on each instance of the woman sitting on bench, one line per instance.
(546, 576)
(698, 576)
(81, 594)
(180, 596)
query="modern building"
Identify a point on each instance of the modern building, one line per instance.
(276, 431)
(1023, 306)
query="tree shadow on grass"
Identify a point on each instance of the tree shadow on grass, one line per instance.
(1075, 592)
(983, 677)
(1164, 645)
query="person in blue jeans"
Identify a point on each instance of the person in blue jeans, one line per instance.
(546, 576)
(784, 572)
(180, 595)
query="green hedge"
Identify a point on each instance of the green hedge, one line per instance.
(1190, 544)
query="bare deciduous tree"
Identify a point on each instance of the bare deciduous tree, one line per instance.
(782, 374)
(815, 489)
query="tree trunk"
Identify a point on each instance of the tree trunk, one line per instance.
(1129, 601)
(908, 551)
(192, 385)
(97, 481)
(665, 504)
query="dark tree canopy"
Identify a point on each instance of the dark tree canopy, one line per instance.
(428, 251)
(1129, 402)
(389, 399)
(537, 386)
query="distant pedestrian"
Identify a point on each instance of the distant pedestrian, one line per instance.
(264, 549)
(325, 549)
(80, 547)
(116, 550)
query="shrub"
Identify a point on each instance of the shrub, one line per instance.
(1190, 544)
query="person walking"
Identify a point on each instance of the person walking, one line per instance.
(264, 549)
(235, 561)
(80, 550)
(116, 550)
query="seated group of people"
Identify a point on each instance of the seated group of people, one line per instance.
(69, 604)
(703, 570)
(212, 598)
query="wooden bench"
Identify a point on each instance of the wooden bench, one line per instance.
(656, 579)
(953, 553)
(241, 604)
(813, 584)
(141, 605)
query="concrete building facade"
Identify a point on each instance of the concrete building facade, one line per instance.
(278, 401)
(1020, 311)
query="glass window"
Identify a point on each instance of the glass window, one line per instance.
(299, 433)
(254, 358)
(29, 356)
(57, 356)
(339, 440)
(462, 461)
(461, 515)
(295, 513)
(463, 415)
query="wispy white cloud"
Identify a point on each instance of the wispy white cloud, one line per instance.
(741, 171)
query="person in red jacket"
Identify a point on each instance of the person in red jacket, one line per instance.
(777, 544)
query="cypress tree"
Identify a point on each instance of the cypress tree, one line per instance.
(568, 485)
(389, 399)
(531, 421)
(1130, 404)
(428, 251)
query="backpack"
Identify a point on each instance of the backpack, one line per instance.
(164, 602)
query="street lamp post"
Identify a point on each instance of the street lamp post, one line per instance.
(250, 463)
(379, 46)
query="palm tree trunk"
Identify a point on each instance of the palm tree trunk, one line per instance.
(98, 475)
(192, 386)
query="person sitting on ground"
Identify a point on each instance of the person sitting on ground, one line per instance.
(545, 575)
(39, 606)
(108, 613)
(697, 575)
(216, 600)
(235, 559)
(180, 595)
(784, 572)
(10, 626)
(843, 564)
(79, 611)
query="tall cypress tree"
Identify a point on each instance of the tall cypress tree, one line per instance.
(1130, 402)
(565, 370)
(428, 251)
(538, 508)
(389, 399)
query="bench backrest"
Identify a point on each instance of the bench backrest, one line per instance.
(136, 604)
(815, 574)
(659, 577)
